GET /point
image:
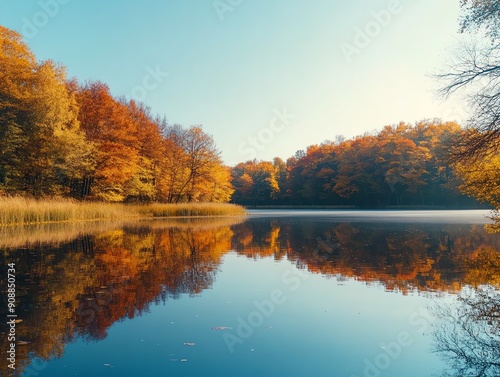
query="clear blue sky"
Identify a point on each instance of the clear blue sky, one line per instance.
(234, 64)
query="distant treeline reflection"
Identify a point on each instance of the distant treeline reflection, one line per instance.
(79, 288)
(404, 257)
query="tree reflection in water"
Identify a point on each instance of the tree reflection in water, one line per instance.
(467, 335)
(75, 283)
(69, 290)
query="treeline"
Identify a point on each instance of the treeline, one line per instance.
(400, 165)
(60, 137)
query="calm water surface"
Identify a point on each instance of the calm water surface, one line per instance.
(282, 293)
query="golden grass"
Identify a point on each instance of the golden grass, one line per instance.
(188, 209)
(25, 211)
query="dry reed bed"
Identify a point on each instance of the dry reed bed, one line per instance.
(188, 209)
(25, 211)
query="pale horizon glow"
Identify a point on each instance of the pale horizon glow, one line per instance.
(238, 68)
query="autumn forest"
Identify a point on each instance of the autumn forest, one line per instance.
(63, 138)
(60, 137)
(131, 247)
(400, 165)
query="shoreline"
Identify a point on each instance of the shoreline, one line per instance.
(358, 208)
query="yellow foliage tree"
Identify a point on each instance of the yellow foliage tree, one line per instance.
(480, 179)
(42, 147)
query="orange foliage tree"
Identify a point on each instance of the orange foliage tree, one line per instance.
(59, 137)
(400, 165)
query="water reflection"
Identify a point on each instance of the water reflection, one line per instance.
(467, 334)
(80, 288)
(402, 257)
(72, 289)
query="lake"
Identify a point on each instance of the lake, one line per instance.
(279, 293)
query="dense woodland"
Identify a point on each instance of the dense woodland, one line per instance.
(61, 137)
(399, 165)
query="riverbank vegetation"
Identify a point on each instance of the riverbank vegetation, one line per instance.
(63, 138)
(24, 211)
